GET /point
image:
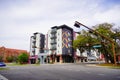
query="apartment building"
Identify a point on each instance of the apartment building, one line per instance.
(36, 46)
(60, 41)
(55, 46)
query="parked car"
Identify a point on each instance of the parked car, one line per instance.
(2, 64)
(92, 58)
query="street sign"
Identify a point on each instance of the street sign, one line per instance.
(97, 46)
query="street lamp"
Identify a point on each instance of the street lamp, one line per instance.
(78, 24)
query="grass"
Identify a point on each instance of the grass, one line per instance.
(3, 68)
(18, 64)
(15, 64)
(110, 65)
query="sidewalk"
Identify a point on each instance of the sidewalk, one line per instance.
(2, 77)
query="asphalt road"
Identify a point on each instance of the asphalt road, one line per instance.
(60, 72)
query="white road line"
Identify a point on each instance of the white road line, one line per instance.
(2, 77)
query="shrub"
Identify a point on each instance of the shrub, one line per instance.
(23, 58)
(10, 58)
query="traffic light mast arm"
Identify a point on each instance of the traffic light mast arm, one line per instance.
(94, 31)
(78, 24)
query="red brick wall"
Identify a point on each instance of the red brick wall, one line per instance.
(5, 52)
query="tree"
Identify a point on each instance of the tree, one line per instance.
(23, 58)
(93, 38)
(106, 49)
(116, 37)
(10, 58)
(84, 41)
(1, 58)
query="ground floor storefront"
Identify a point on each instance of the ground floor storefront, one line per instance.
(45, 58)
(55, 58)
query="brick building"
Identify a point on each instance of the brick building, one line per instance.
(8, 52)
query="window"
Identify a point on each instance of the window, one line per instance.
(58, 45)
(69, 45)
(69, 39)
(69, 34)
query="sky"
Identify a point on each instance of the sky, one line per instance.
(19, 19)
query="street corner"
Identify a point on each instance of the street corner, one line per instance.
(2, 77)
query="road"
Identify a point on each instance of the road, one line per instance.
(60, 72)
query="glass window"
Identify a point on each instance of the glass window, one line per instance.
(68, 33)
(69, 45)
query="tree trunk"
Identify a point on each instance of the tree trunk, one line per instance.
(111, 59)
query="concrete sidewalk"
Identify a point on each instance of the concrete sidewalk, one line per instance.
(2, 77)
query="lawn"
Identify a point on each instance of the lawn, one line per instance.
(110, 65)
(17, 64)
(3, 68)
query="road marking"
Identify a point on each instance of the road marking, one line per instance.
(3, 78)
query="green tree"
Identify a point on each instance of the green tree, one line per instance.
(23, 58)
(106, 49)
(84, 41)
(93, 38)
(1, 58)
(10, 58)
(116, 37)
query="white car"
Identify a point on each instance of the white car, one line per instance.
(92, 58)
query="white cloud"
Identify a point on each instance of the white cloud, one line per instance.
(19, 20)
(112, 15)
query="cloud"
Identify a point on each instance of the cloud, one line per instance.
(20, 19)
(112, 15)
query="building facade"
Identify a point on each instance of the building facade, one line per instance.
(55, 46)
(60, 41)
(36, 46)
(9, 52)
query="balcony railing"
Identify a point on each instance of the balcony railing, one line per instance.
(53, 36)
(53, 42)
(53, 31)
(53, 47)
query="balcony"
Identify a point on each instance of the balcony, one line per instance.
(33, 50)
(53, 42)
(34, 41)
(53, 48)
(33, 46)
(53, 36)
(53, 31)
(34, 37)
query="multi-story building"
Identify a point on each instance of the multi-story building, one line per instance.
(60, 41)
(10, 52)
(36, 46)
(56, 46)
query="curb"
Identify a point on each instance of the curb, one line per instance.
(2, 77)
